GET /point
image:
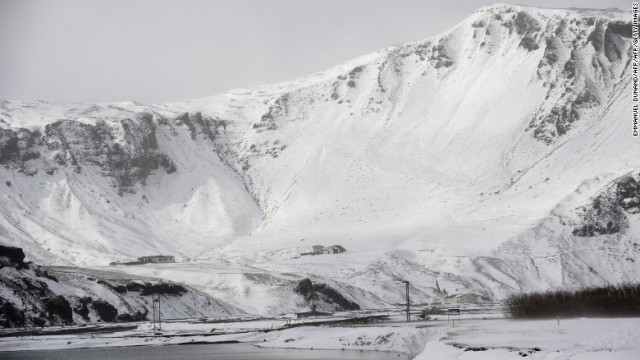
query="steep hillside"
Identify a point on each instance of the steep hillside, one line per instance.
(487, 159)
(31, 295)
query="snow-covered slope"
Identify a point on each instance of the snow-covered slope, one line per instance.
(473, 160)
(31, 295)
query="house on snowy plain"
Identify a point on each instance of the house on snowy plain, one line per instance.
(465, 299)
(319, 249)
(157, 259)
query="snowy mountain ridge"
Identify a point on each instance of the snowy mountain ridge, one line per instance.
(479, 158)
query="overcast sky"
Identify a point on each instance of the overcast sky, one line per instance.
(157, 50)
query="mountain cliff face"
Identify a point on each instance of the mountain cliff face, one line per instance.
(493, 158)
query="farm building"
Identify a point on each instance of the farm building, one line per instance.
(157, 259)
(333, 249)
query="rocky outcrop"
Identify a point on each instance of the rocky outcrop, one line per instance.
(324, 297)
(125, 150)
(607, 212)
(572, 79)
(439, 56)
(12, 256)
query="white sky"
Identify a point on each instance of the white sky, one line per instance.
(159, 50)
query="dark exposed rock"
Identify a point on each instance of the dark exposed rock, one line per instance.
(551, 55)
(13, 256)
(18, 147)
(69, 140)
(354, 73)
(556, 123)
(134, 160)
(596, 36)
(9, 149)
(209, 126)
(185, 119)
(166, 162)
(585, 99)
(628, 194)
(525, 23)
(569, 69)
(10, 316)
(163, 289)
(59, 307)
(121, 289)
(136, 316)
(134, 286)
(267, 120)
(147, 288)
(478, 24)
(38, 303)
(37, 321)
(611, 50)
(128, 161)
(305, 288)
(603, 38)
(35, 286)
(439, 55)
(422, 50)
(606, 213)
(322, 293)
(334, 296)
(561, 118)
(31, 155)
(81, 307)
(161, 120)
(620, 28)
(529, 43)
(264, 126)
(105, 310)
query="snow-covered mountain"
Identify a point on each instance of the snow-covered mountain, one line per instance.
(493, 158)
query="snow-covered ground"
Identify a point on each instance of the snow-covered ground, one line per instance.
(540, 339)
(466, 339)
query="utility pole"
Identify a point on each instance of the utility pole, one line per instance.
(407, 289)
(155, 298)
(153, 307)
